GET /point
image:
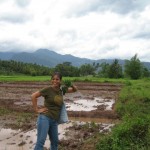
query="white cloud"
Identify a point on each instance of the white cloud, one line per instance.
(94, 29)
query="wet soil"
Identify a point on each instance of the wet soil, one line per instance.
(16, 97)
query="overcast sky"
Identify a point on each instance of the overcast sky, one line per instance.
(94, 29)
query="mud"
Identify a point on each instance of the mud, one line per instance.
(16, 97)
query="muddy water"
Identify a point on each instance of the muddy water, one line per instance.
(24, 140)
(96, 120)
(87, 100)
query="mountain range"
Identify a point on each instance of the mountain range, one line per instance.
(50, 58)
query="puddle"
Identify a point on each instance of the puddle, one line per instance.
(25, 140)
(89, 105)
(77, 102)
(19, 140)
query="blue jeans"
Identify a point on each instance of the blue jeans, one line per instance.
(46, 125)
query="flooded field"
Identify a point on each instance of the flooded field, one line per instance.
(24, 140)
(92, 105)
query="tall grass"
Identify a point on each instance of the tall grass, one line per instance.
(133, 107)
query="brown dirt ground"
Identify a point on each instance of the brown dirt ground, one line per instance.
(16, 97)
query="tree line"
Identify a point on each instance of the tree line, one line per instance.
(132, 68)
(12, 67)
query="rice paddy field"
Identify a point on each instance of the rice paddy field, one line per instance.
(100, 107)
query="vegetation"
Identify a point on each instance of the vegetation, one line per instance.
(66, 69)
(18, 78)
(133, 107)
(115, 70)
(132, 69)
(13, 67)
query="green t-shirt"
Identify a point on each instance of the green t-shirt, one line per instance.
(53, 101)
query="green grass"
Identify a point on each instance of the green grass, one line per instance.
(16, 78)
(133, 107)
(24, 78)
(4, 111)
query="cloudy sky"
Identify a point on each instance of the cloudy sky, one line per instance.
(94, 29)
